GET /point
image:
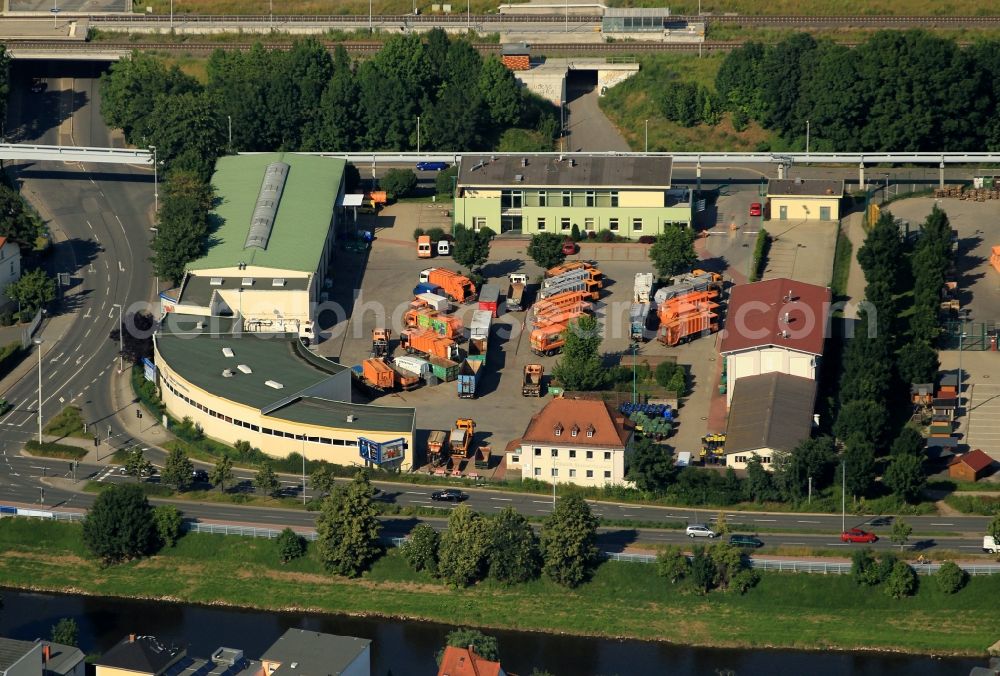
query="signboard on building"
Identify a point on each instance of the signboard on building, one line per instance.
(379, 453)
(149, 369)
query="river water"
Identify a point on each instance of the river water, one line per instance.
(405, 648)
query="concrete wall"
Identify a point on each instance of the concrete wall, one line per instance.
(540, 467)
(174, 389)
(767, 360)
(804, 208)
(10, 267)
(549, 83)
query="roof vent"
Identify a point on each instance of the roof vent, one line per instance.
(350, 418)
(798, 181)
(216, 281)
(248, 281)
(199, 325)
(245, 369)
(294, 665)
(479, 165)
(572, 162)
(227, 373)
(268, 198)
(227, 352)
(278, 281)
(274, 384)
(787, 318)
(783, 334)
(524, 161)
(518, 178)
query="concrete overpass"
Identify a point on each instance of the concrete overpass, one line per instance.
(24, 151)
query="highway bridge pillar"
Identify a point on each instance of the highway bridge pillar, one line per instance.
(861, 176)
(941, 175)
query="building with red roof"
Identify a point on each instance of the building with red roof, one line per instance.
(778, 325)
(465, 662)
(970, 466)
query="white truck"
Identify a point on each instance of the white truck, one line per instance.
(990, 544)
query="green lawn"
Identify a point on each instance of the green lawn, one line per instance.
(49, 449)
(69, 423)
(627, 600)
(819, 7)
(841, 266)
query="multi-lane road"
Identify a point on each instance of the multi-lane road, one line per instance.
(102, 218)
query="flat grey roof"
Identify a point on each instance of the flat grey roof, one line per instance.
(772, 410)
(805, 187)
(62, 658)
(313, 653)
(197, 289)
(314, 391)
(586, 171)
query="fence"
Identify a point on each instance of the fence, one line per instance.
(245, 531)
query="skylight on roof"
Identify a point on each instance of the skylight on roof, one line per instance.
(274, 384)
(227, 352)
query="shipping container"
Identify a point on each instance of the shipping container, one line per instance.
(420, 367)
(489, 298)
(434, 301)
(444, 370)
(479, 327)
(378, 374)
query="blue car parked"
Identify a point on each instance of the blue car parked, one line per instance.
(432, 166)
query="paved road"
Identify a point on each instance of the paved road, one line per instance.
(101, 215)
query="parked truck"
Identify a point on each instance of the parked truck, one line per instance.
(637, 315)
(564, 317)
(516, 292)
(479, 327)
(380, 342)
(445, 370)
(455, 286)
(437, 447)
(461, 437)
(548, 340)
(378, 375)
(531, 382)
(428, 343)
(696, 280)
(572, 266)
(562, 301)
(573, 275)
(426, 287)
(590, 288)
(643, 287)
(431, 300)
(469, 374)
(441, 324)
(489, 299)
(413, 366)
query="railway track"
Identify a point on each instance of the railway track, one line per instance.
(358, 47)
(775, 21)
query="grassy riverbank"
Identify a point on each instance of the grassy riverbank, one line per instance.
(623, 600)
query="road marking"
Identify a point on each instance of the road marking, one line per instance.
(414, 493)
(840, 544)
(121, 268)
(793, 543)
(503, 499)
(942, 524)
(88, 332)
(498, 507)
(111, 314)
(542, 502)
(772, 520)
(89, 225)
(801, 521)
(628, 515)
(969, 547)
(86, 316)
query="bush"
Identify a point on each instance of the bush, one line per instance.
(950, 578)
(664, 372)
(672, 564)
(436, 234)
(291, 545)
(744, 581)
(421, 549)
(575, 233)
(862, 562)
(168, 524)
(606, 236)
(11, 355)
(398, 183)
(445, 183)
(902, 581)
(418, 233)
(647, 239)
(50, 449)
(759, 254)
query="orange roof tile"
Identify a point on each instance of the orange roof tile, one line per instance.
(976, 460)
(465, 662)
(610, 429)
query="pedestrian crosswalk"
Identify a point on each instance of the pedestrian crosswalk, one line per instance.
(983, 411)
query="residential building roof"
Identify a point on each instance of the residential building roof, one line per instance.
(577, 171)
(62, 658)
(804, 187)
(302, 220)
(144, 654)
(465, 662)
(595, 423)
(198, 289)
(773, 410)
(313, 390)
(780, 312)
(3, 241)
(976, 460)
(310, 653)
(12, 650)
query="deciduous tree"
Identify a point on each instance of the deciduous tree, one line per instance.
(291, 545)
(66, 632)
(672, 564)
(650, 466)
(580, 368)
(900, 534)
(398, 183)
(462, 552)
(120, 526)
(512, 551)
(905, 476)
(178, 470)
(136, 463)
(421, 549)
(569, 542)
(266, 481)
(472, 248)
(545, 248)
(485, 646)
(222, 473)
(902, 581)
(673, 251)
(169, 524)
(348, 528)
(950, 578)
(35, 290)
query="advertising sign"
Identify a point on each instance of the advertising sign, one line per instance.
(149, 369)
(381, 452)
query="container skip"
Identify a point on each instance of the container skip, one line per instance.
(479, 327)
(489, 298)
(444, 370)
(469, 374)
(434, 301)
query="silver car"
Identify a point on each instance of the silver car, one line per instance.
(699, 530)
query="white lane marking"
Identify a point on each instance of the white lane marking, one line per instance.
(503, 499)
(88, 332)
(121, 268)
(801, 521)
(542, 502)
(793, 543)
(414, 493)
(89, 225)
(772, 520)
(839, 544)
(111, 314)
(942, 524)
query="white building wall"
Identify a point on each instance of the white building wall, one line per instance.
(361, 666)
(572, 464)
(739, 460)
(768, 359)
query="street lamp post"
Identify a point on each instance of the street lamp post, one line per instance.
(38, 344)
(121, 339)
(303, 469)
(156, 187)
(230, 119)
(843, 496)
(418, 134)
(807, 137)
(647, 136)
(961, 338)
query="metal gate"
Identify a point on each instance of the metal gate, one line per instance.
(978, 336)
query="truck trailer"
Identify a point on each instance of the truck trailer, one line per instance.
(457, 287)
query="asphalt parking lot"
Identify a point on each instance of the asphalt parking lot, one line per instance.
(501, 413)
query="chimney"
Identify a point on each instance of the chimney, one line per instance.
(46, 654)
(131, 638)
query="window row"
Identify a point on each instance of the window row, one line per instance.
(764, 460)
(255, 428)
(572, 454)
(589, 224)
(572, 473)
(516, 199)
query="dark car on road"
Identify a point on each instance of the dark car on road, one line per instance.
(858, 535)
(449, 495)
(199, 476)
(432, 166)
(750, 541)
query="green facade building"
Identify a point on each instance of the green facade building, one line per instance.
(629, 196)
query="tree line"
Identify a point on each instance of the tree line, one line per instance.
(897, 90)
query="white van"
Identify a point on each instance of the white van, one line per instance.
(990, 545)
(444, 247)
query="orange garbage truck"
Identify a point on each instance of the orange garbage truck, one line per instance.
(458, 288)
(428, 343)
(548, 340)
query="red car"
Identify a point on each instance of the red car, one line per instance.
(755, 209)
(569, 247)
(858, 535)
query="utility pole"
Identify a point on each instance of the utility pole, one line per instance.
(156, 188)
(810, 490)
(418, 134)
(38, 345)
(121, 339)
(230, 118)
(647, 136)
(807, 137)
(843, 496)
